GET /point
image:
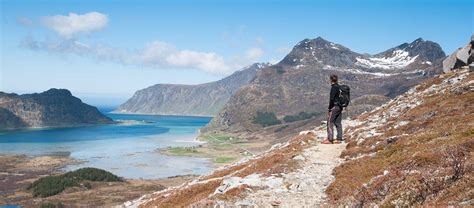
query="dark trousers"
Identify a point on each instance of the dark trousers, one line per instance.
(335, 119)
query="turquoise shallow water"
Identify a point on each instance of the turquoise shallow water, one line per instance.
(128, 150)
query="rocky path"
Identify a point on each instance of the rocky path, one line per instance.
(244, 183)
(306, 186)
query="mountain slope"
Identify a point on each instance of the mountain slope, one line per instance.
(52, 108)
(299, 82)
(196, 100)
(414, 150)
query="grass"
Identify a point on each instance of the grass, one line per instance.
(182, 151)
(224, 159)
(218, 138)
(220, 148)
(278, 161)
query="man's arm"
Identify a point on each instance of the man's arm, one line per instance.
(332, 97)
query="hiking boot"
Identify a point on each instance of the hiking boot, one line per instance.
(337, 142)
(326, 141)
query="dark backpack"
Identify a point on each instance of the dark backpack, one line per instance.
(344, 95)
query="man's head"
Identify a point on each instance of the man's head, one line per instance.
(333, 79)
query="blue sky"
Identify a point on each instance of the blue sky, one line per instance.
(103, 51)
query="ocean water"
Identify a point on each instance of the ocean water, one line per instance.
(128, 150)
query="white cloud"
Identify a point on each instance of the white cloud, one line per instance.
(155, 54)
(160, 54)
(254, 53)
(73, 24)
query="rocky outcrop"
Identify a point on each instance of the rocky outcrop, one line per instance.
(52, 108)
(462, 57)
(196, 100)
(299, 82)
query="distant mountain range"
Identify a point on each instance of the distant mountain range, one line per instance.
(194, 100)
(52, 108)
(299, 83)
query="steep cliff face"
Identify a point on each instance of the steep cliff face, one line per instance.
(299, 82)
(197, 100)
(52, 108)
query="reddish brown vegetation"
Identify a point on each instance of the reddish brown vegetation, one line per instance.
(428, 161)
(274, 162)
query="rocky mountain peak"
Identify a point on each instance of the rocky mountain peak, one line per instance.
(419, 54)
(57, 92)
(318, 43)
(423, 49)
(256, 66)
(320, 52)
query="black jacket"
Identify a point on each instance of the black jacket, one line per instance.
(334, 96)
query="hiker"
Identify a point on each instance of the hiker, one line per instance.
(334, 113)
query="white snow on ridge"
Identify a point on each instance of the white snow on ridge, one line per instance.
(377, 74)
(398, 60)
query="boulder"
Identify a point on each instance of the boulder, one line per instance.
(463, 54)
(460, 58)
(448, 63)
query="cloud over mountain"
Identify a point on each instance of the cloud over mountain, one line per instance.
(155, 54)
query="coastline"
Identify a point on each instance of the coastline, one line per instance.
(19, 171)
(153, 114)
(220, 149)
(34, 128)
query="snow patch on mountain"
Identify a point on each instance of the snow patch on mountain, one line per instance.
(398, 60)
(377, 74)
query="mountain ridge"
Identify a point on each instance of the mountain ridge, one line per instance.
(299, 83)
(51, 108)
(191, 100)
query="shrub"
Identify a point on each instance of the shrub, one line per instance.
(300, 116)
(92, 174)
(52, 205)
(88, 185)
(279, 129)
(266, 119)
(52, 185)
(280, 70)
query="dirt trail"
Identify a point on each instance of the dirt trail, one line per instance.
(247, 183)
(306, 186)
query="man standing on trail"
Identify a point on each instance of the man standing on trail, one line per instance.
(334, 113)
